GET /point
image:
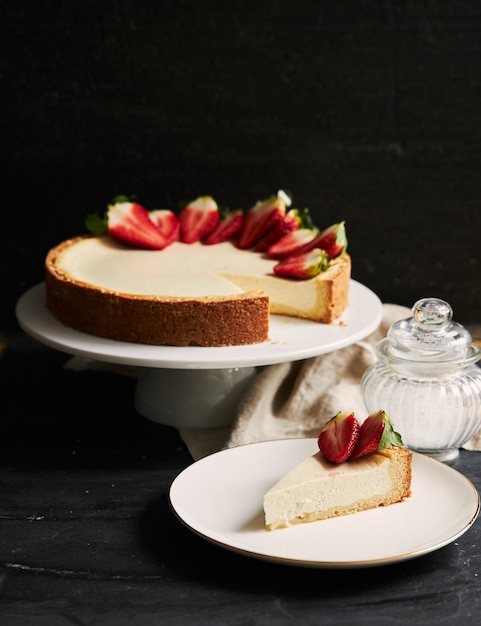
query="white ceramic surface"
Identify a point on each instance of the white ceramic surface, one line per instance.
(290, 339)
(192, 398)
(196, 386)
(220, 498)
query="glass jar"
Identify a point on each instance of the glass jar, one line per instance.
(427, 381)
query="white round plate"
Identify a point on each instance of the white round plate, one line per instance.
(290, 339)
(220, 498)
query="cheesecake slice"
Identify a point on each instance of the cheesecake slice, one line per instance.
(317, 489)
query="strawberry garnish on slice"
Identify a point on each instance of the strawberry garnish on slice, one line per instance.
(302, 265)
(333, 240)
(339, 437)
(198, 219)
(377, 433)
(167, 222)
(129, 222)
(229, 225)
(263, 216)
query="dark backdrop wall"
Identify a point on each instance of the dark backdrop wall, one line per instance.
(366, 111)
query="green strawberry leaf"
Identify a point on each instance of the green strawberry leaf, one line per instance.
(305, 220)
(224, 211)
(123, 198)
(95, 224)
(389, 435)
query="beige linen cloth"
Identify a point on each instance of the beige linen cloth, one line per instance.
(293, 399)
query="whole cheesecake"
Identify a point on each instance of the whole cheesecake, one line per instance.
(184, 295)
(317, 489)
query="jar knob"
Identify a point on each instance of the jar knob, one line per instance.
(432, 314)
(429, 335)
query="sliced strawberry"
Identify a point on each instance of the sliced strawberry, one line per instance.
(377, 433)
(333, 240)
(130, 223)
(263, 216)
(287, 224)
(339, 437)
(302, 265)
(228, 226)
(291, 242)
(198, 219)
(293, 220)
(167, 222)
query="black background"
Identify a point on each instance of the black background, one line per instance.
(365, 111)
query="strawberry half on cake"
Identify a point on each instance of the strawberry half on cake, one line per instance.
(357, 467)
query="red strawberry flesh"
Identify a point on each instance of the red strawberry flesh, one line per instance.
(198, 219)
(302, 266)
(291, 242)
(371, 433)
(377, 433)
(333, 240)
(226, 229)
(339, 437)
(259, 220)
(130, 223)
(287, 224)
(167, 222)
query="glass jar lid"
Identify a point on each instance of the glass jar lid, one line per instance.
(430, 335)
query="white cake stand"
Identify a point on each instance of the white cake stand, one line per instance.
(195, 386)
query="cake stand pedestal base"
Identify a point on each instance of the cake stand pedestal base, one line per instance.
(201, 398)
(194, 387)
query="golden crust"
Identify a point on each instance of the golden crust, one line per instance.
(239, 319)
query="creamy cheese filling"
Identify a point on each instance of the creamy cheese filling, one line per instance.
(181, 270)
(315, 485)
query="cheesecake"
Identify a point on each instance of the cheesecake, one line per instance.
(184, 295)
(317, 489)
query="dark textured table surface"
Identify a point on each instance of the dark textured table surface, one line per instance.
(87, 535)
